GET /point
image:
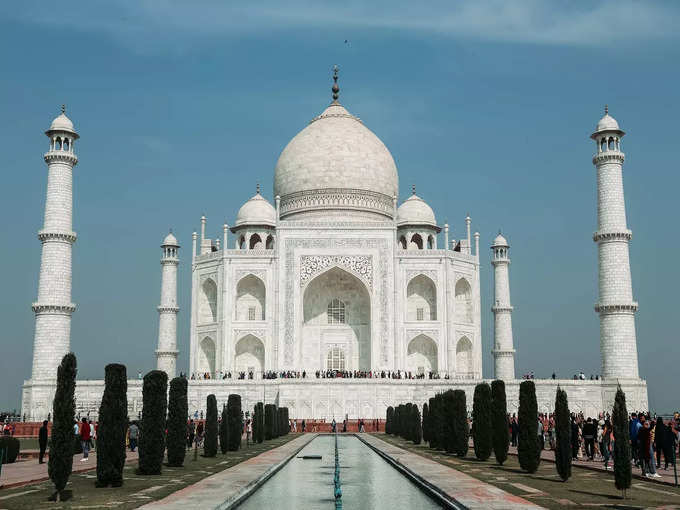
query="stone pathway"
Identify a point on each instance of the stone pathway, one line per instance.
(224, 488)
(29, 471)
(468, 491)
(667, 476)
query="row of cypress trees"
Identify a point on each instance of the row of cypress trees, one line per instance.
(276, 421)
(404, 421)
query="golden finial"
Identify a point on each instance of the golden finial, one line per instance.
(413, 189)
(606, 109)
(335, 89)
(63, 109)
(257, 188)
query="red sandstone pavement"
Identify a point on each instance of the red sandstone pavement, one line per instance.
(29, 471)
(667, 476)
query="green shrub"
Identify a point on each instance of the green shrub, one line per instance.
(152, 430)
(269, 419)
(416, 427)
(460, 424)
(258, 423)
(235, 422)
(622, 466)
(562, 435)
(433, 422)
(389, 418)
(481, 421)
(178, 410)
(224, 431)
(527, 447)
(499, 418)
(60, 461)
(10, 447)
(426, 414)
(448, 421)
(113, 422)
(210, 441)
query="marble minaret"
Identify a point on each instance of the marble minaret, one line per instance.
(503, 348)
(53, 308)
(615, 305)
(166, 354)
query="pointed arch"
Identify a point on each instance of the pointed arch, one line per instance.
(270, 242)
(430, 242)
(402, 242)
(206, 356)
(416, 242)
(463, 301)
(251, 297)
(421, 299)
(207, 306)
(421, 354)
(249, 355)
(464, 361)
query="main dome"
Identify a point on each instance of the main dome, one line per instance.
(336, 164)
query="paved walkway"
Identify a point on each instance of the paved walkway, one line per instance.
(29, 471)
(224, 488)
(667, 476)
(468, 491)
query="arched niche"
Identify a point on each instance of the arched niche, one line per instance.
(207, 305)
(421, 299)
(250, 299)
(402, 242)
(463, 301)
(249, 355)
(255, 242)
(206, 356)
(270, 242)
(416, 242)
(421, 355)
(464, 362)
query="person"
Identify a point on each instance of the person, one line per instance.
(589, 438)
(134, 435)
(659, 439)
(199, 434)
(605, 445)
(42, 441)
(361, 426)
(85, 439)
(644, 437)
(249, 430)
(333, 425)
(514, 428)
(191, 433)
(541, 439)
(574, 438)
(93, 435)
(670, 439)
(634, 428)
(304, 426)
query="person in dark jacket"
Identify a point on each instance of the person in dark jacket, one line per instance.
(589, 438)
(659, 439)
(42, 441)
(644, 439)
(669, 442)
(574, 438)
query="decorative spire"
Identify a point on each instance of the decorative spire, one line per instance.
(606, 109)
(257, 188)
(335, 88)
(63, 109)
(413, 189)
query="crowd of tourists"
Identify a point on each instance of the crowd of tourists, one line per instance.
(324, 374)
(654, 440)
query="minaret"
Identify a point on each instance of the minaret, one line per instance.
(615, 304)
(53, 308)
(503, 350)
(166, 354)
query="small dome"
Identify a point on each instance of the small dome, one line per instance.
(256, 211)
(607, 123)
(62, 123)
(170, 240)
(500, 241)
(414, 211)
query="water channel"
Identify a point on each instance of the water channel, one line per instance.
(367, 481)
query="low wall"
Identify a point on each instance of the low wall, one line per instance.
(325, 399)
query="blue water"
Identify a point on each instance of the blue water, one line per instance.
(367, 481)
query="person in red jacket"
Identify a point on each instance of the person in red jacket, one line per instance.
(85, 439)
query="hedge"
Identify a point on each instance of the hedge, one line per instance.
(113, 423)
(152, 430)
(499, 418)
(235, 422)
(178, 409)
(210, 441)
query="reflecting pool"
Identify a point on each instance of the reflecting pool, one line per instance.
(367, 481)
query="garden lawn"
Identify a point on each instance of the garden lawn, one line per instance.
(585, 489)
(136, 490)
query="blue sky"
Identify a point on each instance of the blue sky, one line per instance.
(486, 106)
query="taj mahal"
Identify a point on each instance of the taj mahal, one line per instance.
(335, 275)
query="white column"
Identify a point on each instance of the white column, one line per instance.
(53, 307)
(615, 305)
(166, 354)
(503, 350)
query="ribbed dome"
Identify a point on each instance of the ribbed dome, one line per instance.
(336, 152)
(500, 241)
(256, 211)
(414, 211)
(170, 240)
(62, 123)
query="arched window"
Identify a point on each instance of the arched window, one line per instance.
(464, 362)
(270, 242)
(335, 360)
(66, 144)
(250, 299)
(618, 145)
(206, 356)
(336, 312)
(603, 144)
(241, 243)
(255, 242)
(402, 242)
(416, 242)
(421, 299)
(463, 304)
(57, 144)
(207, 308)
(430, 242)
(611, 144)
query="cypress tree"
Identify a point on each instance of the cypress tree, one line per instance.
(432, 423)
(448, 419)
(255, 419)
(269, 421)
(60, 462)
(389, 418)
(481, 421)
(178, 410)
(527, 447)
(395, 426)
(224, 431)
(426, 416)
(152, 433)
(562, 435)
(210, 441)
(499, 417)
(259, 408)
(417, 431)
(234, 421)
(460, 425)
(113, 422)
(622, 466)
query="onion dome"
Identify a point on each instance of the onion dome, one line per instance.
(170, 240)
(607, 123)
(500, 241)
(62, 123)
(415, 211)
(256, 211)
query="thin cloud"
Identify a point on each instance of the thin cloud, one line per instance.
(156, 24)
